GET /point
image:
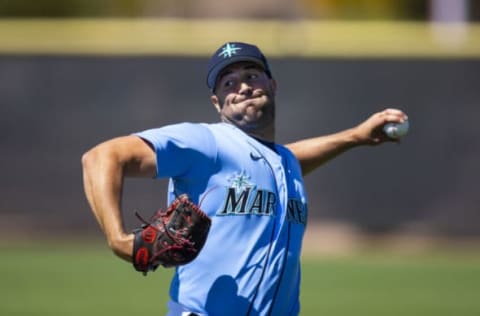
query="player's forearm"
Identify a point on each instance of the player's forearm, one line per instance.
(314, 152)
(103, 181)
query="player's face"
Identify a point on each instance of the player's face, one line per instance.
(245, 96)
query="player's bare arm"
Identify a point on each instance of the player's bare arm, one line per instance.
(314, 152)
(104, 168)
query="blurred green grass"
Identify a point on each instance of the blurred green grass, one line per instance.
(86, 279)
(391, 284)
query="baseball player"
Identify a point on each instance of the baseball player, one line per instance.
(251, 187)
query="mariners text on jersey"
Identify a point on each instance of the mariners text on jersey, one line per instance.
(249, 201)
(260, 202)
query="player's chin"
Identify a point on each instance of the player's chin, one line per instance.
(259, 109)
(259, 119)
(255, 112)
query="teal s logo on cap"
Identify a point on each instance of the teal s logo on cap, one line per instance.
(234, 52)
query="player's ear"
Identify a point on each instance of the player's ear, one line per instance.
(216, 103)
(274, 85)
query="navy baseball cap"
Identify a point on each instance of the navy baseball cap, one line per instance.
(234, 52)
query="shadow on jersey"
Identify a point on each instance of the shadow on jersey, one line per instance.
(225, 291)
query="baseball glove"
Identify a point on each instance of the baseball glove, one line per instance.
(171, 238)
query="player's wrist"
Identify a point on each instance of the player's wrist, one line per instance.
(353, 137)
(122, 246)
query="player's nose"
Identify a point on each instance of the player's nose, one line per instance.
(245, 88)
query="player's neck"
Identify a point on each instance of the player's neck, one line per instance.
(265, 132)
(267, 135)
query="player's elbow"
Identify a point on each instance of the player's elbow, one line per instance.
(103, 160)
(88, 159)
(99, 154)
(92, 160)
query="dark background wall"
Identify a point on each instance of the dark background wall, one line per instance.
(52, 109)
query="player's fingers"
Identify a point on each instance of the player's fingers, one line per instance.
(394, 115)
(393, 111)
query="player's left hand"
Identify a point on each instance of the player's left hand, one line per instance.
(370, 131)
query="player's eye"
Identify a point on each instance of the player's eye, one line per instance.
(228, 83)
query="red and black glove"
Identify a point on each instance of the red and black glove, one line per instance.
(171, 238)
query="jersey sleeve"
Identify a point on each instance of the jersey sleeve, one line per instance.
(185, 150)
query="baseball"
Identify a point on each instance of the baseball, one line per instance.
(396, 130)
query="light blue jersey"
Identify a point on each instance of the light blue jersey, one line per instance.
(254, 194)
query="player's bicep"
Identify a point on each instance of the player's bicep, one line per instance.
(139, 157)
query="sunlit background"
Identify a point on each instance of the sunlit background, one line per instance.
(75, 73)
(412, 10)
